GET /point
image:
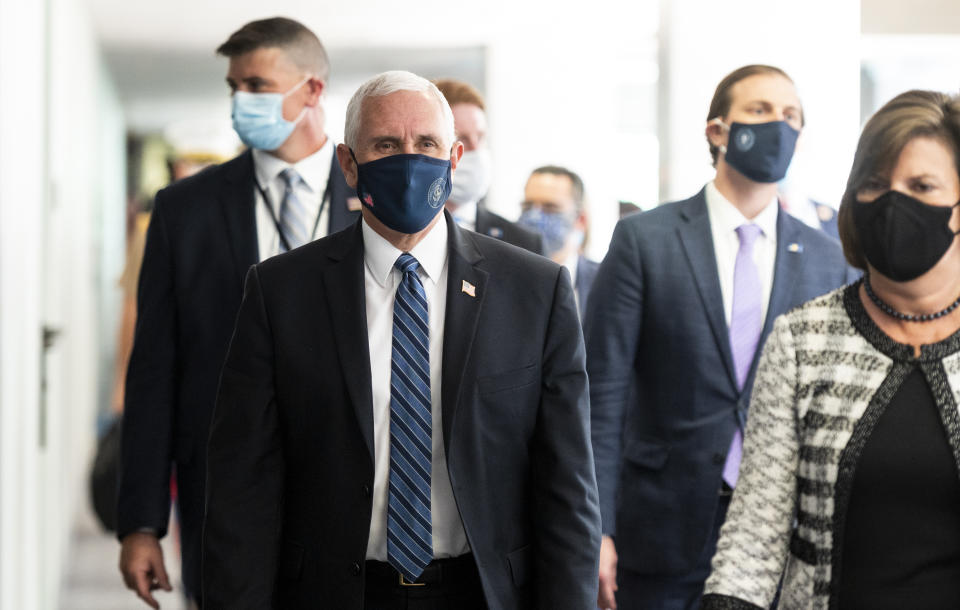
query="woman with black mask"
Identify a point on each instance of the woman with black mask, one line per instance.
(849, 485)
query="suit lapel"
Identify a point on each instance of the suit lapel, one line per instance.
(460, 323)
(344, 291)
(237, 205)
(340, 216)
(697, 243)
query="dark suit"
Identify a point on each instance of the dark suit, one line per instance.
(586, 273)
(499, 227)
(664, 399)
(201, 241)
(291, 447)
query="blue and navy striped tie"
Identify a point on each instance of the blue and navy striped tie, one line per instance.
(409, 529)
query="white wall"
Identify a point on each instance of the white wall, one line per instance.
(22, 162)
(61, 208)
(562, 87)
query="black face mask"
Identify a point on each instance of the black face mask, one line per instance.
(902, 237)
(761, 151)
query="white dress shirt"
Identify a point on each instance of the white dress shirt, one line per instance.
(314, 171)
(724, 220)
(571, 263)
(381, 279)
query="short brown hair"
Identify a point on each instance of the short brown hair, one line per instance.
(576, 184)
(459, 92)
(722, 98)
(914, 114)
(300, 44)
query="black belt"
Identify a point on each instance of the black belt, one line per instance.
(458, 570)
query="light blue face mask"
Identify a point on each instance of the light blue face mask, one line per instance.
(258, 118)
(553, 227)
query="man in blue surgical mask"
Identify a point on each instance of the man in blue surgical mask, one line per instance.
(554, 206)
(285, 190)
(467, 200)
(402, 420)
(677, 318)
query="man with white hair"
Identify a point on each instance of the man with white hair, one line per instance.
(402, 419)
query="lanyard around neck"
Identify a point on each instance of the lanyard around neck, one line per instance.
(276, 221)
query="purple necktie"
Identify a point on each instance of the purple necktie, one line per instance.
(745, 325)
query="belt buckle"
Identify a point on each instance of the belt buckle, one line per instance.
(406, 583)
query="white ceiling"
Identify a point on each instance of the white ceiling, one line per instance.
(161, 53)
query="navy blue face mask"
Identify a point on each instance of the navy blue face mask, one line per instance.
(761, 151)
(404, 192)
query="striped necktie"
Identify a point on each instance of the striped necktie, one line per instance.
(745, 326)
(293, 214)
(409, 524)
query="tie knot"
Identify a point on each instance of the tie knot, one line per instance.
(406, 263)
(290, 176)
(748, 234)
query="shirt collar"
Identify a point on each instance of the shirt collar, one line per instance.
(571, 264)
(727, 217)
(314, 169)
(380, 255)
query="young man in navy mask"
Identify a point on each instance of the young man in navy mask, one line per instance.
(676, 321)
(402, 420)
(205, 232)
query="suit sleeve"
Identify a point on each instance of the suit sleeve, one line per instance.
(613, 325)
(245, 468)
(754, 540)
(151, 390)
(565, 489)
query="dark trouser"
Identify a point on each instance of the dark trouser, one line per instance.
(449, 584)
(671, 591)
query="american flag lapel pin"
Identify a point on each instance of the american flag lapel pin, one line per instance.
(468, 288)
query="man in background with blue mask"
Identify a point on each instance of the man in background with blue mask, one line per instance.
(467, 200)
(677, 318)
(402, 420)
(285, 190)
(554, 206)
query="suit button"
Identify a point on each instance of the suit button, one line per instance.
(355, 569)
(366, 490)
(719, 458)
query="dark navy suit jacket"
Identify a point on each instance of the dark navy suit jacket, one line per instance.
(664, 400)
(201, 241)
(498, 227)
(586, 273)
(291, 454)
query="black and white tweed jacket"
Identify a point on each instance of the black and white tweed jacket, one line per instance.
(826, 375)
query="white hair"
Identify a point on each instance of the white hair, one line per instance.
(386, 83)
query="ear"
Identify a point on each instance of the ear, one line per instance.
(347, 164)
(315, 89)
(581, 221)
(456, 154)
(717, 133)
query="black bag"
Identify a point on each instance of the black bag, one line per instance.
(105, 475)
